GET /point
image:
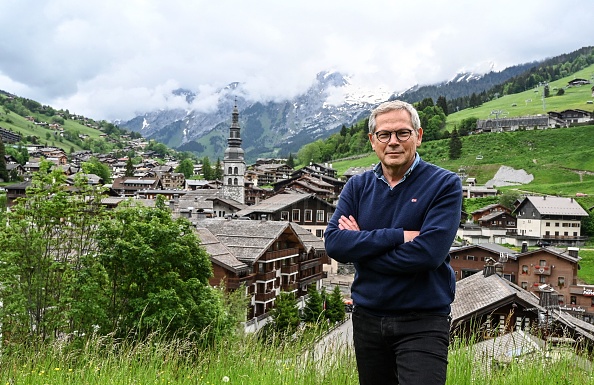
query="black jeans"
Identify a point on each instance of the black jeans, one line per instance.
(406, 350)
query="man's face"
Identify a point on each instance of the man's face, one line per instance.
(396, 155)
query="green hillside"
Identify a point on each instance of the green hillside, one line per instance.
(561, 160)
(530, 102)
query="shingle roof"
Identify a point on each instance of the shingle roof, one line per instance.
(477, 293)
(274, 203)
(218, 252)
(308, 239)
(247, 240)
(550, 205)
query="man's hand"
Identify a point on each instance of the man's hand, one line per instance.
(410, 235)
(349, 223)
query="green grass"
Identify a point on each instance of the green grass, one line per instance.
(574, 98)
(103, 361)
(553, 157)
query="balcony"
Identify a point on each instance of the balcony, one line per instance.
(311, 263)
(278, 254)
(542, 270)
(269, 276)
(234, 283)
(292, 269)
(288, 287)
(265, 297)
(305, 282)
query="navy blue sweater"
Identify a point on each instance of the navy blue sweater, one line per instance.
(393, 277)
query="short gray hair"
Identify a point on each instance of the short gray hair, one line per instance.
(395, 105)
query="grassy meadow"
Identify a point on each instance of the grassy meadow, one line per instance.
(248, 361)
(530, 102)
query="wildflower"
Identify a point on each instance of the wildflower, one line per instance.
(225, 379)
(56, 369)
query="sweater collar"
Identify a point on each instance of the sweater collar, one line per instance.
(377, 170)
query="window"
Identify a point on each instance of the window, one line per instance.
(295, 216)
(592, 302)
(320, 215)
(561, 281)
(556, 224)
(548, 224)
(230, 181)
(319, 233)
(561, 300)
(524, 269)
(524, 285)
(542, 279)
(573, 300)
(307, 215)
(284, 215)
(236, 171)
(328, 217)
(229, 170)
(470, 257)
(542, 262)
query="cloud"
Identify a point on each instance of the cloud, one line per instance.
(112, 60)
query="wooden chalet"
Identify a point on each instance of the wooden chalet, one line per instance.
(129, 186)
(471, 259)
(307, 210)
(487, 306)
(277, 257)
(490, 209)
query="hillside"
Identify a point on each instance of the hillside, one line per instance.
(530, 102)
(561, 160)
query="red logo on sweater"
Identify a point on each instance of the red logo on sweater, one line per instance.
(413, 200)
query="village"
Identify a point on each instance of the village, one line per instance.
(270, 240)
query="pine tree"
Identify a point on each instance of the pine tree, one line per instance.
(218, 170)
(442, 102)
(291, 161)
(3, 170)
(285, 313)
(207, 170)
(335, 311)
(129, 168)
(314, 306)
(455, 145)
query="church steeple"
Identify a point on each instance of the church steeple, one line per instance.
(233, 162)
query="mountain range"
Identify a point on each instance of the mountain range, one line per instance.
(279, 128)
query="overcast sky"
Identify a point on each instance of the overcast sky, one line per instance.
(115, 59)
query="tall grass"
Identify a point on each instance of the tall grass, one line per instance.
(247, 360)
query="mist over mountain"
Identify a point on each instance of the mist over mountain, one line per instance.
(277, 128)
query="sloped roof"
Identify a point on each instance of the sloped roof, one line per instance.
(218, 252)
(247, 240)
(550, 205)
(492, 247)
(478, 294)
(308, 239)
(275, 203)
(554, 252)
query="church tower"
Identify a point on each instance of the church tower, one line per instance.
(233, 163)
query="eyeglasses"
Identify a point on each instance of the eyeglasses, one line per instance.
(401, 135)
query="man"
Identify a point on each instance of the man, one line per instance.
(396, 223)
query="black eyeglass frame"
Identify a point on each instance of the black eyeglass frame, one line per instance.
(397, 133)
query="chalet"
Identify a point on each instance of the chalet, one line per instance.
(470, 259)
(199, 204)
(92, 179)
(489, 209)
(554, 219)
(171, 180)
(267, 256)
(336, 184)
(9, 136)
(498, 220)
(129, 186)
(478, 191)
(15, 170)
(578, 82)
(262, 174)
(323, 169)
(308, 184)
(494, 306)
(352, 171)
(17, 190)
(557, 269)
(573, 116)
(306, 210)
(522, 122)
